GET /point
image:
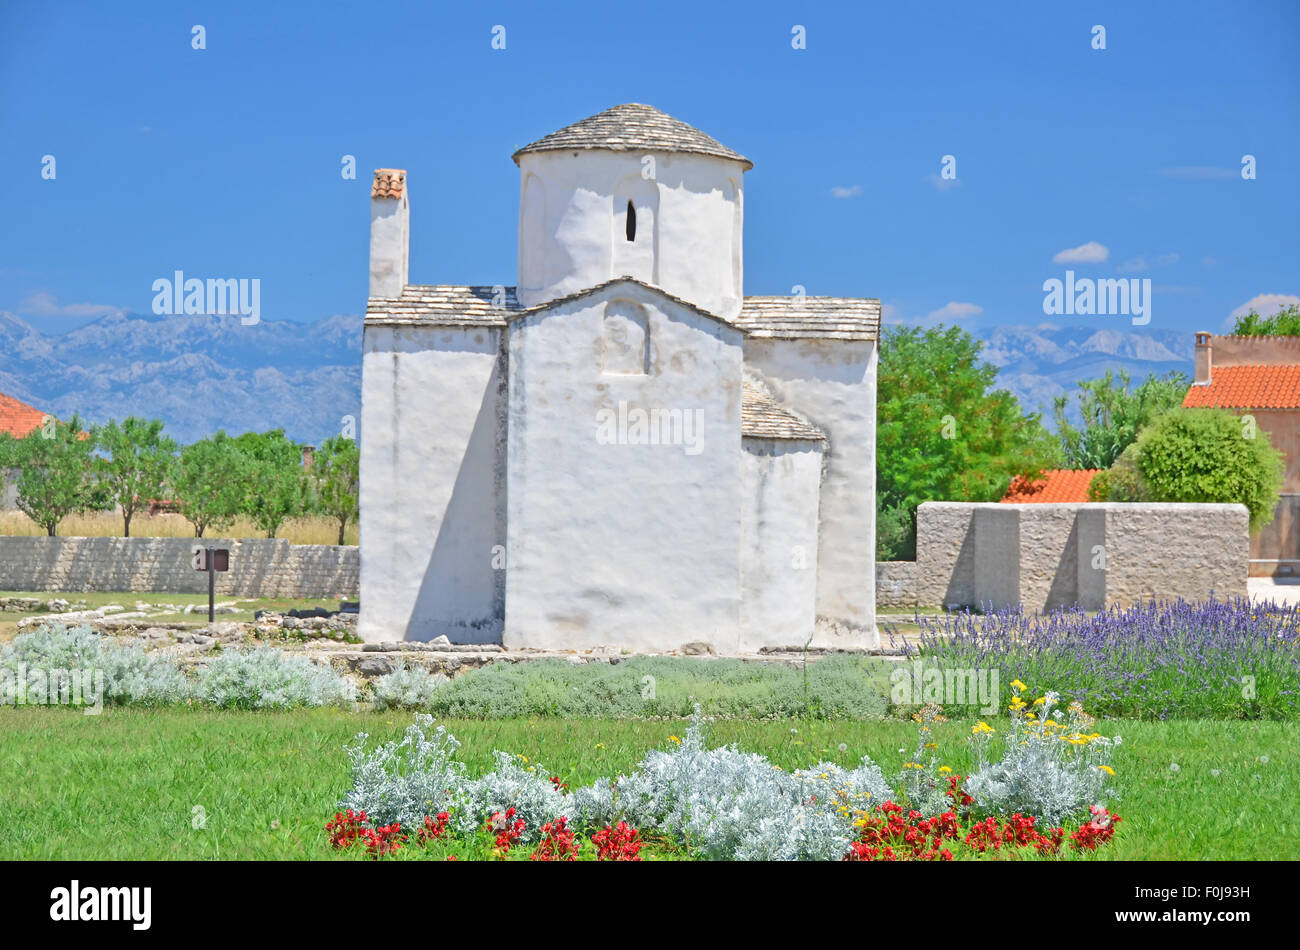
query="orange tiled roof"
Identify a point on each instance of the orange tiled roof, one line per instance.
(1248, 387)
(389, 183)
(1057, 485)
(18, 418)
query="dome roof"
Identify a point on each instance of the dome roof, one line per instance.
(633, 127)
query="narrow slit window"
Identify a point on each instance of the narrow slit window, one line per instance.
(631, 222)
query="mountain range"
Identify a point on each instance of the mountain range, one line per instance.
(203, 373)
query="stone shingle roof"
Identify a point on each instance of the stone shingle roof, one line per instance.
(389, 183)
(633, 127)
(762, 418)
(444, 305)
(792, 318)
(799, 317)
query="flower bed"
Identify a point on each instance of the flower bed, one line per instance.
(724, 804)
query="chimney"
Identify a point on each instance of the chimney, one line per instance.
(390, 232)
(1202, 358)
(308, 456)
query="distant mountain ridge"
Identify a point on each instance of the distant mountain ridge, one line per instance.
(197, 373)
(203, 373)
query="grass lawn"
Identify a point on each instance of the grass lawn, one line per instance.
(125, 785)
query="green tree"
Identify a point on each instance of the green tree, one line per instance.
(209, 480)
(943, 432)
(1112, 415)
(277, 487)
(1210, 455)
(1286, 322)
(55, 472)
(138, 460)
(335, 477)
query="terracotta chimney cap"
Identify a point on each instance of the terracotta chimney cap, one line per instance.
(389, 183)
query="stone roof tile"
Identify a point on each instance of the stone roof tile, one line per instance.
(762, 418)
(447, 305)
(801, 317)
(633, 127)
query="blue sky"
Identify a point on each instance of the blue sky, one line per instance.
(225, 162)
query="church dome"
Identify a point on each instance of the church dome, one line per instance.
(633, 127)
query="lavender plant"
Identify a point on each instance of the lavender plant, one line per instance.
(1157, 660)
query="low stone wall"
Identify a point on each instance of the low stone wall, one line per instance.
(259, 567)
(1090, 555)
(895, 584)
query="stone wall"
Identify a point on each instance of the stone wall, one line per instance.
(258, 567)
(895, 584)
(1052, 556)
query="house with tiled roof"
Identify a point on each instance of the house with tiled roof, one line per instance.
(619, 449)
(1053, 486)
(16, 419)
(1259, 376)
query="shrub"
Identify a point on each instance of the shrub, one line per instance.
(131, 675)
(895, 533)
(264, 678)
(406, 688)
(1210, 455)
(409, 779)
(835, 687)
(516, 784)
(1049, 768)
(1121, 482)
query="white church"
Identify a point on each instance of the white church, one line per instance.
(623, 451)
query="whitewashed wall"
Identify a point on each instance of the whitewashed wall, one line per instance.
(690, 216)
(432, 484)
(779, 538)
(630, 546)
(833, 384)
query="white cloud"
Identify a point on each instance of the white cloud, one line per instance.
(941, 183)
(846, 191)
(1199, 172)
(45, 304)
(1090, 253)
(890, 314)
(1140, 263)
(1263, 304)
(954, 310)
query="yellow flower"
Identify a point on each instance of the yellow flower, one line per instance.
(945, 768)
(1107, 769)
(1017, 685)
(600, 745)
(932, 745)
(983, 728)
(1040, 700)
(674, 739)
